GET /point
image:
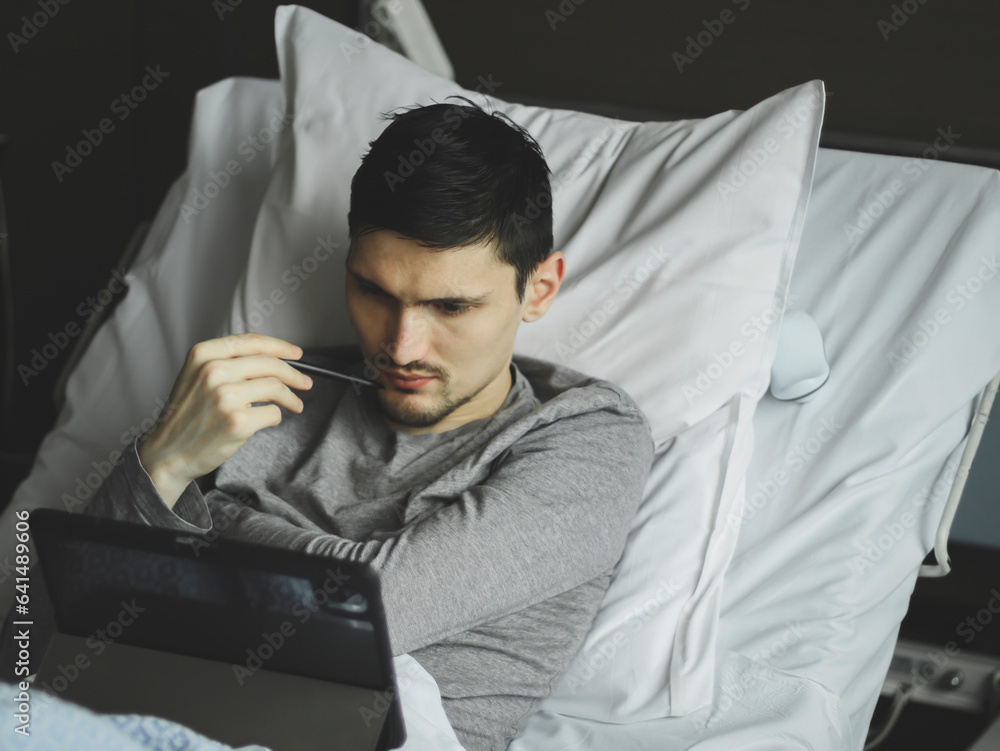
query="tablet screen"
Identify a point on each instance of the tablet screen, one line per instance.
(251, 610)
(252, 606)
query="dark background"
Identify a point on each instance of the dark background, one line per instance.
(941, 69)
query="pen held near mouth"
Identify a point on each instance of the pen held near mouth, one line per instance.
(317, 370)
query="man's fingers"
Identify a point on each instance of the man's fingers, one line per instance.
(252, 367)
(240, 345)
(268, 415)
(249, 420)
(234, 397)
(211, 413)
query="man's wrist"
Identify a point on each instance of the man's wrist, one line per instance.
(167, 484)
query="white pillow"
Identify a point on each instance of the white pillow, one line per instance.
(679, 241)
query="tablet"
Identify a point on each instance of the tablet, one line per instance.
(244, 643)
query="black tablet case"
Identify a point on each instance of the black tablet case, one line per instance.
(243, 643)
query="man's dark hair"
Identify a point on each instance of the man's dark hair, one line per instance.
(449, 175)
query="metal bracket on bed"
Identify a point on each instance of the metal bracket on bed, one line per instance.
(982, 416)
(944, 677)
(947, 678)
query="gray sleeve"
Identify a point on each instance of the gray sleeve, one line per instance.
(552, 516)
(128, 494)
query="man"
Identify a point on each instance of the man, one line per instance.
(492, 494)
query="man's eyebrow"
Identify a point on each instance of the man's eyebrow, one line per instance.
(467, 300)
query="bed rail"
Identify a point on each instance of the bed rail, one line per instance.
(979, 420)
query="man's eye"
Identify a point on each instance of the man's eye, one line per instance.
(452, 309)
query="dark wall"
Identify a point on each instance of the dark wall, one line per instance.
(941, 68)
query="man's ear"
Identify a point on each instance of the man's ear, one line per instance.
(543, 286)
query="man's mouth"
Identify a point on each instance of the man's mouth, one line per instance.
(407, 381)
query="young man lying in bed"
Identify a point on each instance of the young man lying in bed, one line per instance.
(491, 493)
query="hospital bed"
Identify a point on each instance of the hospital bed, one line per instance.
(760, 595)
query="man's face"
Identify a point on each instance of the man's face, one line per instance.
(448, 314)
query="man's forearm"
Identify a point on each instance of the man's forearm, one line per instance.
(129, 494)
(426, 596)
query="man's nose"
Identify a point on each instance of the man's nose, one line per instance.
(409, 337)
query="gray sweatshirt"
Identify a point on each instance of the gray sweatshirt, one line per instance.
(494, 542)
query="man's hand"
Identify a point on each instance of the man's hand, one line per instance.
(209, 414)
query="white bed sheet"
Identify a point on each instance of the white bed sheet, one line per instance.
(845, 492)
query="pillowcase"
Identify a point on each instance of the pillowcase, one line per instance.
(679, 241)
